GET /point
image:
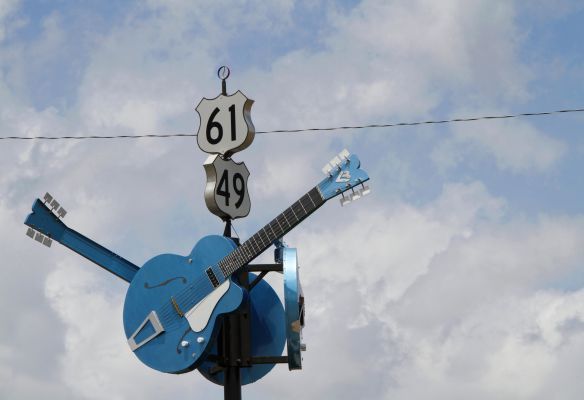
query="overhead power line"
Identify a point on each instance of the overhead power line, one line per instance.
(336, 128)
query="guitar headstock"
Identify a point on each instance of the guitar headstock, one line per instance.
(44, 222)
(344, 174)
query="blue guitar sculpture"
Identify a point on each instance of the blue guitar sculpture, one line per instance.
(173, 302)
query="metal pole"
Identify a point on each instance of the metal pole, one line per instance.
(231, 338)
(232, 376)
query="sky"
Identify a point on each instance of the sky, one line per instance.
(460, 276)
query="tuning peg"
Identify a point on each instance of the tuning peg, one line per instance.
(39, 237)
(61, 212)
(335, 161)
(356, 195)
(48, 198)
(365, 190)
(344, 154)
(345, 200)
(54, 204)
(327, 169)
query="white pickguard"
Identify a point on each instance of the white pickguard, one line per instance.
(199, 315)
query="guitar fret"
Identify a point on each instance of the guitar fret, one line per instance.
(245, 250)
(309, 197)
(304, 209)
(251, 243)
(266, 235)
(318, 194)
(279, 224)
(273, 233)
(259, 240)
(258, 243)
(279, 229)
(312, 201)
(295, 216)
(288, 214)
(275, 229)
(301, 210)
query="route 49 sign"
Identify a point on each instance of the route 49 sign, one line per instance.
(226, 193)
(226, 126)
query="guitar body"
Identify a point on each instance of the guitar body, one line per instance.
(184, 342)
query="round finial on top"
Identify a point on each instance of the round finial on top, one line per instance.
(223, 72)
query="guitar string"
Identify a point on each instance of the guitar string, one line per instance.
(256, 244)
(288, 215)
(185, 297)
(168, 312)
(191, 294)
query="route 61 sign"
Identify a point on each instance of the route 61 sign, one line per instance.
(226, 193)
(226, 126)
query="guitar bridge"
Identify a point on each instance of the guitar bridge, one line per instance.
(176, 307)
(156, 325)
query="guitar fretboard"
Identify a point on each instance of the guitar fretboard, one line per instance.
(277, 228)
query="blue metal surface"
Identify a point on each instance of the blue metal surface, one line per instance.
(268, 335)
(44, 221)
(154, 286)
(294, 304)
(343, 177)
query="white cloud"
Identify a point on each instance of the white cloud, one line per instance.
(96, 354)
(499, 351)
(398, 60)
(444, 300)
(516, 145)
(7, 7)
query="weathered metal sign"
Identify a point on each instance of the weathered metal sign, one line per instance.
(226, 126)
(226, 193)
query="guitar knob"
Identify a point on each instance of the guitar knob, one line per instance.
(200, 339)
(184, 343)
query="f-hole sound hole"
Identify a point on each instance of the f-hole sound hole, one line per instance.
(166, 282)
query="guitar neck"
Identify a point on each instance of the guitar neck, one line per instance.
(277, 228)
(98, 254)
(44, 221)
